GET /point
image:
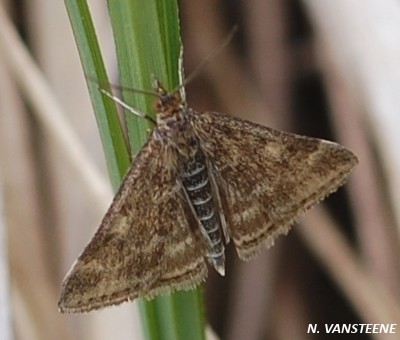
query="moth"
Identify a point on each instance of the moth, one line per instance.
(201, 180)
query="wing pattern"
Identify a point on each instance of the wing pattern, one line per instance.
(143, 246)
(267, 178)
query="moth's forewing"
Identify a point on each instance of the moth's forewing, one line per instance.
(267, 178)
(143, 246)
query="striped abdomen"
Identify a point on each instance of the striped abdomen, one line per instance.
(195, 179)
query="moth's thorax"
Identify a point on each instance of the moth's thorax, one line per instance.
(176, 131)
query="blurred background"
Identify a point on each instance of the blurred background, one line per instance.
(326, 69)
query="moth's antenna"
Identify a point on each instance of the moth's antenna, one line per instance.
(211, 56)
(131, 89)
(130, 108)
(120, 88)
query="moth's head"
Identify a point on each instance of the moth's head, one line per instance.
(168, 103)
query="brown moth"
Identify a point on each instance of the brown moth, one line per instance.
(201, 180)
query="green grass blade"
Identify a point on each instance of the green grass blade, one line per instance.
(110, 129)
(147, 41)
